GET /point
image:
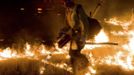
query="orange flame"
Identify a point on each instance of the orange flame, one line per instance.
(101, 37)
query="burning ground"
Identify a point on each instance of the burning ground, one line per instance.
(37, 59)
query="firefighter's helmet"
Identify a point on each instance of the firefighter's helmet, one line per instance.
(69, 3)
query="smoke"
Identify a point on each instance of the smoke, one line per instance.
(112, 8)
(28, 25)
(109, 8)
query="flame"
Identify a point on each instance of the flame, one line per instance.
(129, 46)
(8, 53)
(121, 58)
(28, 51)
(124, 24)
(41, 53)
(126, 31)
(42, 69)
(115, 21)
(101, 37)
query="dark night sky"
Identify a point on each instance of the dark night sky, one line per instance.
(14, 23)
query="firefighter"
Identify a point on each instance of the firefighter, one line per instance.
(75, 32)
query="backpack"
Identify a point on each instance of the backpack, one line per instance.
(91, 26)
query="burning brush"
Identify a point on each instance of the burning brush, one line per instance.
(38, 60)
